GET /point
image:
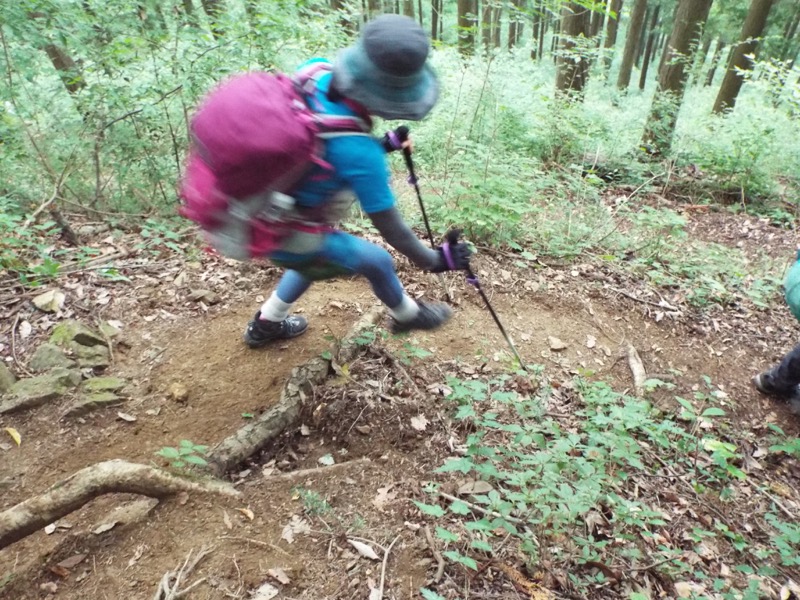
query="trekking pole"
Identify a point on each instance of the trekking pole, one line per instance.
(472, 279)
(402, 133)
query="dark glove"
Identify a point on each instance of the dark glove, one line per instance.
(453, 256)
(393, 140)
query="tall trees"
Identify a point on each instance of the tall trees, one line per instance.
(631, 42)
(466, 31)
(436, 15)
(753, 28)
(648, 51)
(515, 22)
(712, 69)
(612, 27)
(690, 16)
(572, 65)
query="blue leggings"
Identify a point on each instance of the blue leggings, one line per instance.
(341, 253)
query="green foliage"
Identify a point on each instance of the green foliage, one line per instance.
(186, 456)
(313, 503)
(571, 488)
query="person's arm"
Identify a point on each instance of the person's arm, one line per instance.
(398, 235)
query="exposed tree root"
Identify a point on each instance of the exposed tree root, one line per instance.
(109, 477)
(298, 389)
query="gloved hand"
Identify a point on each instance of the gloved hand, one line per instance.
(453, 255)
(396, 140)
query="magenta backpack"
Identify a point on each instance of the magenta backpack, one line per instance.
(253, 139)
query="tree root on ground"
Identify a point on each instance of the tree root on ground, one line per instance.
(298, 389)
(109, 477)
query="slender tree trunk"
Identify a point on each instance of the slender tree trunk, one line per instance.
(466, 32)
(543, 24)
(690, 17)
(573, 68)
(67, 69)
(419, 10)
(536, 19)
(486, 25)
(612, 27)
(648, 52)
(555, 40)
(789, 33)
(700, 61)
(632, 39)
(515, 22)
(214, 9)
(642, 44)
(497, 15)
(712, 70)
(435, 8)
(408, 8)
(753, 28)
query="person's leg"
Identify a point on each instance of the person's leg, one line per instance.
(272, 321)
(783, 379)
(376, 264)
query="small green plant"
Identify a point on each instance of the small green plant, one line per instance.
(186, 456)
(313, 503)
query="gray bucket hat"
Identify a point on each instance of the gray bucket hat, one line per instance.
(386, 70)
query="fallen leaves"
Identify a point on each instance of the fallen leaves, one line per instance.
(266, 591)
(279, 575)
(364, 549)
(14, 435)
(297, 526)
(419, 423)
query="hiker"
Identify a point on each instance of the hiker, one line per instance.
(782, 381)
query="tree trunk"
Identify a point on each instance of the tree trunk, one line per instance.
(67, 69)
(753, 28)
(486, 25)
(515, 22)
(572, 67)
(543, 23)
(214, 9)
(632, 39)
(690, 18)
(648, 52)
(466, 32)
(419, 10)
(612, 27)
(555, 40)
(408, 8)
(712, 70)
(497, 15)
(789, 33)
(435, 16)
(642, 43)
(700, 61)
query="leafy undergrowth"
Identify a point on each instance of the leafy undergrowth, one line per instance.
(590, 493)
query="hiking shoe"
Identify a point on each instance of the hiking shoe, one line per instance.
(764, 384)
(430, 316)
(260, 332)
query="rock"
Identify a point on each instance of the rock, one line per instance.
(50, 301)
(75, 331)
(109, 330)
(7, 378)
(91, 356)
(49, 356)
(103, 384)
(33, 392)
(93, 402)
(556, 345)
(206, 296)
(178, 392)
(66, 377)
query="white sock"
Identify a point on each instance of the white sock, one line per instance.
(275, 309)
(406, 311)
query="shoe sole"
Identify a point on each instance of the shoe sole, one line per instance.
(255, 344)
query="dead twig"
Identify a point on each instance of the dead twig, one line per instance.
(319, 470)
(256, 543)
(436, 554)
(637, 370)
(778, 503)
(20, 366)
(172, 591)
(383, 567)
(663, 304)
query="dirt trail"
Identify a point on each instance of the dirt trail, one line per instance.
(226, 381)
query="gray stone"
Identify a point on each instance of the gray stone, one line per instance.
(67, 377)
(93, 402)
(91, 356)
(33, 392)
(7, 378)
(49, 356)
(74, 331)
(108, 330)
(103, 384)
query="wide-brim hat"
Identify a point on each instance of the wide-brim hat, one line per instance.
(386, 70)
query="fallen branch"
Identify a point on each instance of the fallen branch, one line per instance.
(254, 436)
(172, 591)
(637, 369)
(383, 567)
(436, 554)
(109, 477)
(318, 470)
